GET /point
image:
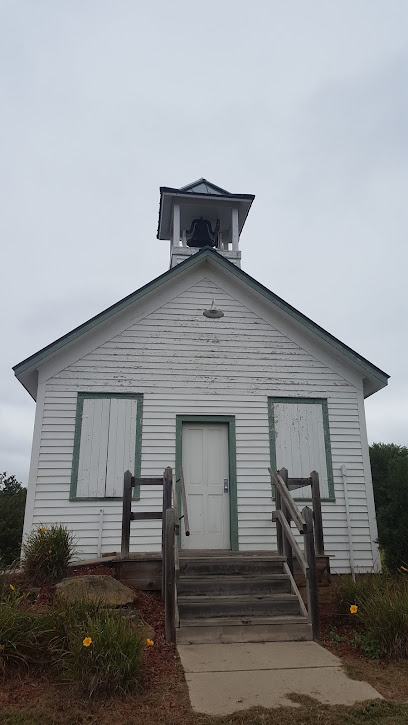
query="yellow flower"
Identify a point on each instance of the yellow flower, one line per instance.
(11, 587)
(87, 641)
(149, 643)
(50, 551)
(353, 609)
(2, 646)
(43, 530)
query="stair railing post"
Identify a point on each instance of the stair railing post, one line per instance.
(287, 549)
(170, 576)
(317, 514)
(311, 581)
(167, 487)
(126, 514)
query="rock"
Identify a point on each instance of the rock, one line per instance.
(93, 588)
(136, 620)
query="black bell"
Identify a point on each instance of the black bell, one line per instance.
(202, 233)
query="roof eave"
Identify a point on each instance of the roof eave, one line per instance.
(178, 193)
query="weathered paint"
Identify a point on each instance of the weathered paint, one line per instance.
(300, 441)
(184, 365)
(373, 376)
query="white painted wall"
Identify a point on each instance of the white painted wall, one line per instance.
(184, 363)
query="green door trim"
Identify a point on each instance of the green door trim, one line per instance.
(77, 442)
(326, 431)
(232, 460)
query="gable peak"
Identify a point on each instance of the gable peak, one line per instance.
(203, 186)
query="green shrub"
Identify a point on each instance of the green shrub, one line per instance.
(47, 553)
(103, 653)
(389, 465)
(393, 518)
(12, 505)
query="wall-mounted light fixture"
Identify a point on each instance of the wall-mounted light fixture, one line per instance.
(212, 312)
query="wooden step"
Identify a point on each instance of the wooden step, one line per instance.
(254, 629)
(251, 584)
(242, 606)
(230, 565)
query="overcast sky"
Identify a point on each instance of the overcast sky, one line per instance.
(300, 102)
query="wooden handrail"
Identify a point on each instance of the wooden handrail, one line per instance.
(278, 515)
(184, 503)
(288, 501)
(286, 510)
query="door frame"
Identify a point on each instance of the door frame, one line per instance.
(232, 464)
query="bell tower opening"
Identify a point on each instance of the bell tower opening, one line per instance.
(201, 215)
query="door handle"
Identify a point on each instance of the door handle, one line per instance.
(226, 485)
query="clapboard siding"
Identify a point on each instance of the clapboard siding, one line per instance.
(185, 364)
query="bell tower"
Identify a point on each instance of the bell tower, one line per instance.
(202, 215)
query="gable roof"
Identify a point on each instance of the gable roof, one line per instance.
(202, 186)
(26, 370)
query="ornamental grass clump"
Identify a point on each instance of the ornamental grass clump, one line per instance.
(348, 592)
(383, 615)
(103, 653)
(47, 552)
(377, 604)
(26, 637)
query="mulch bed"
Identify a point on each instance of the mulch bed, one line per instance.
(161, 658)
(98, 569)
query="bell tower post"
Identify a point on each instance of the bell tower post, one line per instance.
(202, 215)
(175, 237)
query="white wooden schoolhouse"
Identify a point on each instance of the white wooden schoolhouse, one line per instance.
(206, 369)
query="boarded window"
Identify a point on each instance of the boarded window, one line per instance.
(301, 443)
(106, 444)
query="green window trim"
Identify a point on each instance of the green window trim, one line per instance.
(77, 442)
(232, 460)
(326, 431)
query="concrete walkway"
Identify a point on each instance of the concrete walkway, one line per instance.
(223, 678)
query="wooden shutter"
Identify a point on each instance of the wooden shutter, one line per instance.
(107, 445)
(122, 443)
(93, 449)
(300, 443)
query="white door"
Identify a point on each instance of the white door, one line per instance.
(206, 477)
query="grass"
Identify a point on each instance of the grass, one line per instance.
(170, 706)
(390, 679)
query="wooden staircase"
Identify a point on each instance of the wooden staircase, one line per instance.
(238, 597)
(226, 596)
